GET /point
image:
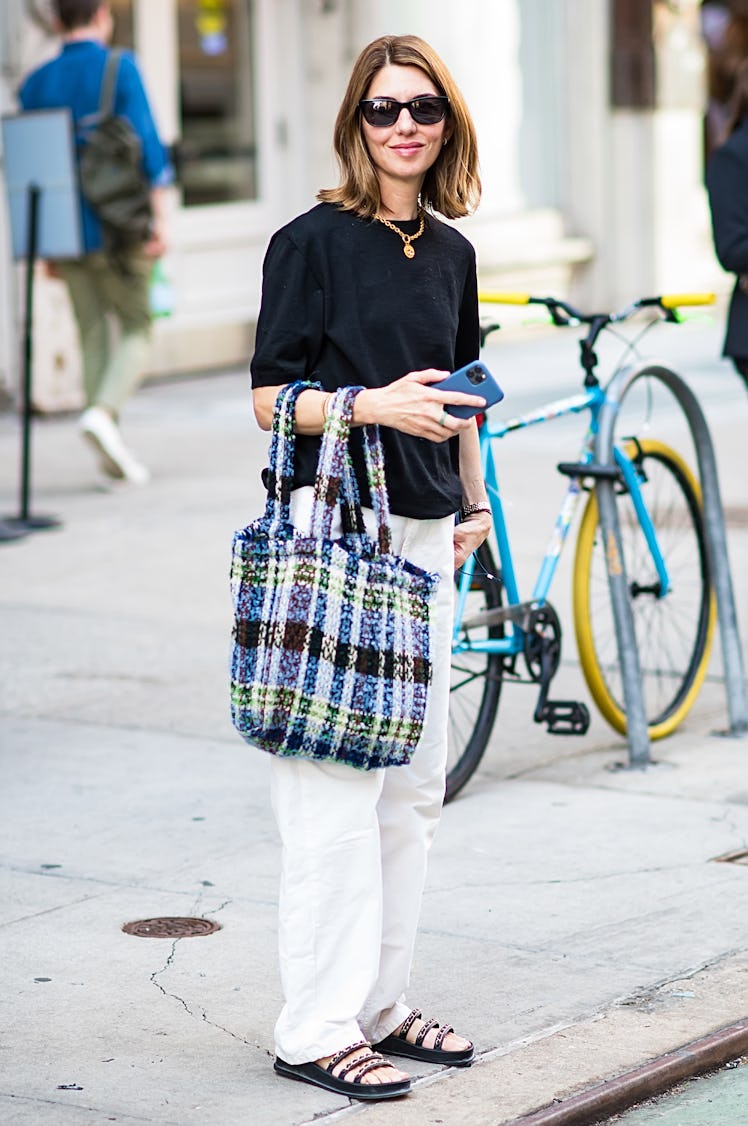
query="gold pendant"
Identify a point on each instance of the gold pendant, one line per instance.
(409, 251)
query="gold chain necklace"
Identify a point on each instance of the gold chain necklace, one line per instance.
(408, 250)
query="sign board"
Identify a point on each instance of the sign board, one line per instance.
(38, 151)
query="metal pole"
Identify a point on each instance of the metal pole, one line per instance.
(716, 546)
(637, 729)
(32, 244)
(25, 522)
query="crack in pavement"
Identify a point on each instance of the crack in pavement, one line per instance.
(202, 1013)
(111, 1116)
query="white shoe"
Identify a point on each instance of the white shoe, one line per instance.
(102, 432)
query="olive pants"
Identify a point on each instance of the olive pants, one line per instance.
(113, 314)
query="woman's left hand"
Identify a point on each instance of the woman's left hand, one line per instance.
(469, 534)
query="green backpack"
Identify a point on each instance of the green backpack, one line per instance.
(111, 173)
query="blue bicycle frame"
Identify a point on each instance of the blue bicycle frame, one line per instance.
(515, 612)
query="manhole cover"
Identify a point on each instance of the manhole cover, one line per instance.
(174, 927)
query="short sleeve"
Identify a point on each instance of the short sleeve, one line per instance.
(467, 344)
(290, 324)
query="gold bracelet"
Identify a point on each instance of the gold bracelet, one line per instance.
(326, 406)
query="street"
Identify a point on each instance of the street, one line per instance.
(577, 921)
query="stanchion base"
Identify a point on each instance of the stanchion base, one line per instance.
(22, 524)
(9, 533)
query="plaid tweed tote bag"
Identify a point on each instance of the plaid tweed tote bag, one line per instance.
(331, 644)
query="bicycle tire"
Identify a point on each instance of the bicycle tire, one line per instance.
(673, 634)
(475, 683)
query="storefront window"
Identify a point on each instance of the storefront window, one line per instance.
(216, 156)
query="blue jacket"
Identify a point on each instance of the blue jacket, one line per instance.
(74, 79)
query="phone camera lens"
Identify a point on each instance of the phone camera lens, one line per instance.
(476, 375)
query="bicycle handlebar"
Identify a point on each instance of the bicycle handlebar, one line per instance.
(563, 314)
(667, 302)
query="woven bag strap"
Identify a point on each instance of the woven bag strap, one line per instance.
(374, 455)
(281, 454)
(336, 481)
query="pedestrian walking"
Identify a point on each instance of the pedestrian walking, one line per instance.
(370, 289)
(727, 184)
(106, 284)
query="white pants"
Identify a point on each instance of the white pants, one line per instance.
(355, 845)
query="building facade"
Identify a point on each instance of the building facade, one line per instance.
(590, 124)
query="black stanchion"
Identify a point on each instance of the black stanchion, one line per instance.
(11, 527)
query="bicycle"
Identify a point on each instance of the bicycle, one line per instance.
(658, 499)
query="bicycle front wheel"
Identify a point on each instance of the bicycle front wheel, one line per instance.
(476, 679)
(673, 631)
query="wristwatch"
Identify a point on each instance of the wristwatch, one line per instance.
(469, 509)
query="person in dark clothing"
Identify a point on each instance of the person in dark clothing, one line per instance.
(727, 185)
(98, 287)
(370, 289)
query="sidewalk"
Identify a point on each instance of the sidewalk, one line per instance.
(576, 922)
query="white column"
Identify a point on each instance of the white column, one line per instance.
(588, 143)
(156, 47)
(479, 42)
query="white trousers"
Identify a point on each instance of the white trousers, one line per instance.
(355, 845)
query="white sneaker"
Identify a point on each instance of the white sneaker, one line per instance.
(102, 432)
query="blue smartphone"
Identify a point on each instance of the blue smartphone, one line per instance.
(473, 379)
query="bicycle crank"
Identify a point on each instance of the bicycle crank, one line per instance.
(542, 656)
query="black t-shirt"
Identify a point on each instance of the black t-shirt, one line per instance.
(342, 305)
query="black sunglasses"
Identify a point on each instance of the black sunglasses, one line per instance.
(381, 112)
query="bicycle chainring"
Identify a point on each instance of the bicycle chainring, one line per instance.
(542, 649)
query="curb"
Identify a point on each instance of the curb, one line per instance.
(653, 1078)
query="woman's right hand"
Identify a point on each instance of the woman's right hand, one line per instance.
(414, 405)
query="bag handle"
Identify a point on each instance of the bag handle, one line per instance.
(281, 454)
(336, 482)
(374, 455)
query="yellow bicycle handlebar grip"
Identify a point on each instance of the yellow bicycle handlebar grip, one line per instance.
(499, 297)
(674, 300)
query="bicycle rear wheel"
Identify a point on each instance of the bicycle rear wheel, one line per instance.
(476, 680)
(673, 633)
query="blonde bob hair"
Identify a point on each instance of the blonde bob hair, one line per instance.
(452, 185)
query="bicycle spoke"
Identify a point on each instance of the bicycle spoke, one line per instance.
(476, 682)
(672, 628)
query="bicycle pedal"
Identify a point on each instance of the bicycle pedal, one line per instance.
(565, 717)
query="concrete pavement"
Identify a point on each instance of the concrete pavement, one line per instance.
(577, 920)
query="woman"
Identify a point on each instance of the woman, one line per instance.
(727, 183)
(369, 289)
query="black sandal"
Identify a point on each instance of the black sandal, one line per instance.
(396, 1044)
(352, 1089)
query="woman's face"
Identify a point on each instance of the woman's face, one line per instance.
(406, 150)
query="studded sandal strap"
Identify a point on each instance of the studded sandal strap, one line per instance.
(376, 1066)
(424, 1031)
(346, 1052)
(407, 1024)
(443, 1031)
(373, 1059)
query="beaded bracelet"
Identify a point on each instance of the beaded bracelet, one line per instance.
(470, 509)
